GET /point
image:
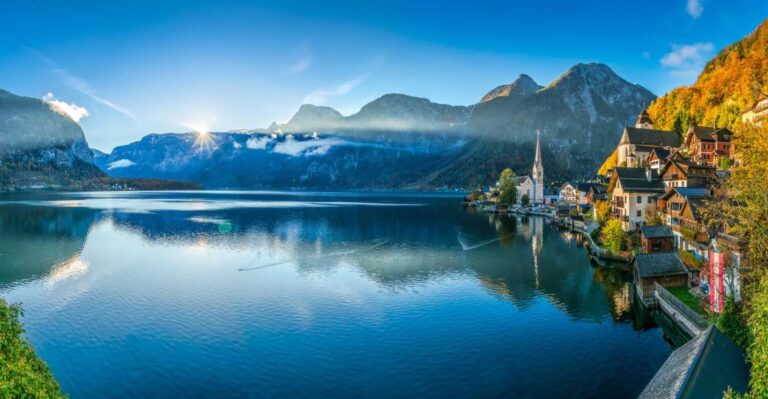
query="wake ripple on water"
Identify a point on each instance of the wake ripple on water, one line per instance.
(468, 247)
(328, 255)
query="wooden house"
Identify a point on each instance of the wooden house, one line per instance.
(680, 173)
(656, 239)
(708, 144)
(664, 268)
(680, 209)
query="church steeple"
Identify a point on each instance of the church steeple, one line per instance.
(537, 174)
(537, 161)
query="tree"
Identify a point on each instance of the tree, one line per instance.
(652, 216)
(740, 209)
(603, 211)
(725, 163)
(508, 191)
(613, 235)
(525, 200)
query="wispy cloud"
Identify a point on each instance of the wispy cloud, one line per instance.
(301, 65)
(82, 86)
(73, 111)
(321, 96)
(687, 59)
(694, 8)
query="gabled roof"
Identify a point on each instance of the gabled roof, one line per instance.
(635, 180)
(659, 264)
(704, 367)
(652, 137)
(598, 188)
(704, 133)
(656, 231)
(687, 192)
(521, 179)
(566, 184)
(689, 168)
(659, 152)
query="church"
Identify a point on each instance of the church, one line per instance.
(533, 185)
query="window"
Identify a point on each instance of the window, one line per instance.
(639, 213)
(655, 245)
(639, 199)
(650, 199)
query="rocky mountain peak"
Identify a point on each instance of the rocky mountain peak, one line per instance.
(521, 87)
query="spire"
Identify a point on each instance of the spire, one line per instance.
(538, 148)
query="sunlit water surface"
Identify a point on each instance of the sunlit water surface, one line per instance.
(269, 294)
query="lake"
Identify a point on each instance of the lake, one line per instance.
(282, 294)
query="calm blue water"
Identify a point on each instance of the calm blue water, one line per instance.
(237, 294)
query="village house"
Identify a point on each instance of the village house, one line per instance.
(655, 239)
(708, 144)
(658, 158)
(637, 142)
(632, 192)
(680, 209)
(680, 173)
(597, 192)
(759, 110)
(568, 194)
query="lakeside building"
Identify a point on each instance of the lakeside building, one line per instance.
(654, 239)
(533, 185)
(551, 196)
(568, 194)
(524, 185)
(633, 191)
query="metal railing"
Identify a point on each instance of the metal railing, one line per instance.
(684, 309)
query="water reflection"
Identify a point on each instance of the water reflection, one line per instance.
(237, 291)
(392, 246)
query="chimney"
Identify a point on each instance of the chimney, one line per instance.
(648, 174)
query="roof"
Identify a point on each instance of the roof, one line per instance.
(635, 180)
(704, 133)
(661, 153)
(687, 192)
(691, 169)
(521, 179)
(566, 184)
(585, 186)
(659, 264)
(704, 367)
(652, 137)
(656, 231)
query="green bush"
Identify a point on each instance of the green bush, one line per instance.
(22, 373)
(613, 235)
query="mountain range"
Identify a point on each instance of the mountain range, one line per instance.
(400, 141)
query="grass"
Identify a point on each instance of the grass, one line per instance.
(22, 373)
(684, 294)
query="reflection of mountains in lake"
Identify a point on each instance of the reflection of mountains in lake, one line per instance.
(395, 246)
(33, 240)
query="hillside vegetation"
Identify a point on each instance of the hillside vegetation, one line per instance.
(729, 85)
(22, 373)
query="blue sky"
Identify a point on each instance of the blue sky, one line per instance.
(160, 66)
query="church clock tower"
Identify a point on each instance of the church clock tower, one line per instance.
(537, 174)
